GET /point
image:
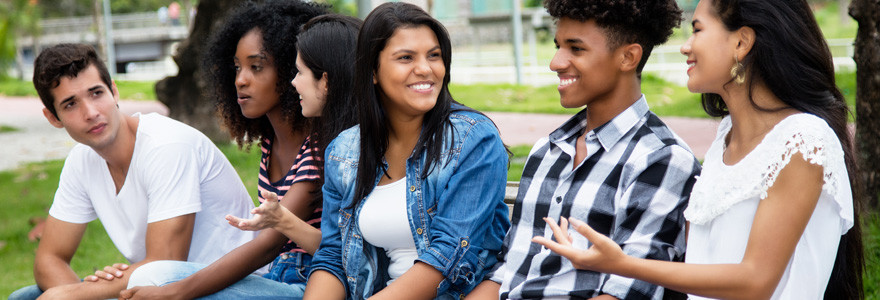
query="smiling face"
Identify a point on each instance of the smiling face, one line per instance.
(312, 92)
(410, 72)
(255, 77)
(86, 109)
(588, 71)
(709, 51)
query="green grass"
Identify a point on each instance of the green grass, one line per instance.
(128, 90)
(4, 128)
(27, 192)
(518, 161)
(664, 98)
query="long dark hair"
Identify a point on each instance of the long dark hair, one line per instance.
(380, 24)
(327, 45)
(790, 49)
(279, 22)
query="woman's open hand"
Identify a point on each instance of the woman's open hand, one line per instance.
(604, 255)
(268, 215)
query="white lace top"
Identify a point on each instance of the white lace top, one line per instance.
(725, 198)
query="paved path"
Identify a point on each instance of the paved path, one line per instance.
(37, 140)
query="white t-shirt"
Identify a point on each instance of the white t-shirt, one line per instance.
(384, 223)
(175, 170)
(725, 199)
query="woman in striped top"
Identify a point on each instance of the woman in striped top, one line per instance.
(249, 65)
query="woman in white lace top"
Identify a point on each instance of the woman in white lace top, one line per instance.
(772, 215)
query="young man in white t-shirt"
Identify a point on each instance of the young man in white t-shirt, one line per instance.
(160, 188)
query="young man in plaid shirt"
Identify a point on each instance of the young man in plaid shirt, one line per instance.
(613, 165)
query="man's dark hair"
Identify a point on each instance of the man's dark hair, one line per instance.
(644, 22)
(64, 60)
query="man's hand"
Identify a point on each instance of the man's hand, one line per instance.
(268, 215)
(108, 273)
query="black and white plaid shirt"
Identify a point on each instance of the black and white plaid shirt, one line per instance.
(632, 186)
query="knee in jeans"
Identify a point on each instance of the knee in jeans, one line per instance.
(157, 273)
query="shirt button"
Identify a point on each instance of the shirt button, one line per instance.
(412, 188)
(419, 231)
(464, 244)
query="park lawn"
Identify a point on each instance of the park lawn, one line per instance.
(27, 193)
(129, 90)
(5, 128)
(664, 98)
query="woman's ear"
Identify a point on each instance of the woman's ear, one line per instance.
(745, 40)
(324, 84)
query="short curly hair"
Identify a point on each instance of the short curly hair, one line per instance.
(279, 22)
(644, 22)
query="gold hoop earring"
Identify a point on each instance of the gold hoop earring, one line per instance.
(737, 72)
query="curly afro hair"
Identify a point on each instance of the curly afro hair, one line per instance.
(279, 22)
(645, 22)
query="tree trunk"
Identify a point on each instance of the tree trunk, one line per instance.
(98, 21)
(867, 58)
(184, 94)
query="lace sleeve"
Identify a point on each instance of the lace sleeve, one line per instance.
(720, 186)
(818, 144)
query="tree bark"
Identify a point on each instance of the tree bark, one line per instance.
(867, 58)
(184, 94)
(98, 21)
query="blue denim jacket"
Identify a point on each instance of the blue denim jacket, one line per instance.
(457, 214)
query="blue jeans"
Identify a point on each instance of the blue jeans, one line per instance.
(285, 279)
(26, 293)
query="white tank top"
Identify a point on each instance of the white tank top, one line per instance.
(384, 223)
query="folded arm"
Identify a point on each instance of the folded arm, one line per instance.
(165, 240)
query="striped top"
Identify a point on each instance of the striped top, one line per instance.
(304, 169)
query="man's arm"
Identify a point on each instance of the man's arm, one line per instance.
(57, 246)
(165, 240)
(238, 263)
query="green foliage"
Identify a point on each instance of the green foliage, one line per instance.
(78, 8)
(17, 17)
(828, 16)
(348, 8)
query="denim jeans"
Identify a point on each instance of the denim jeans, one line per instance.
(287, 267)
(26, 293)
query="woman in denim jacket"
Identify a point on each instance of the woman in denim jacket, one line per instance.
(447, 160)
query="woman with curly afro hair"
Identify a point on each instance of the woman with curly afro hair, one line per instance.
(775, 211)
(248, 68)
